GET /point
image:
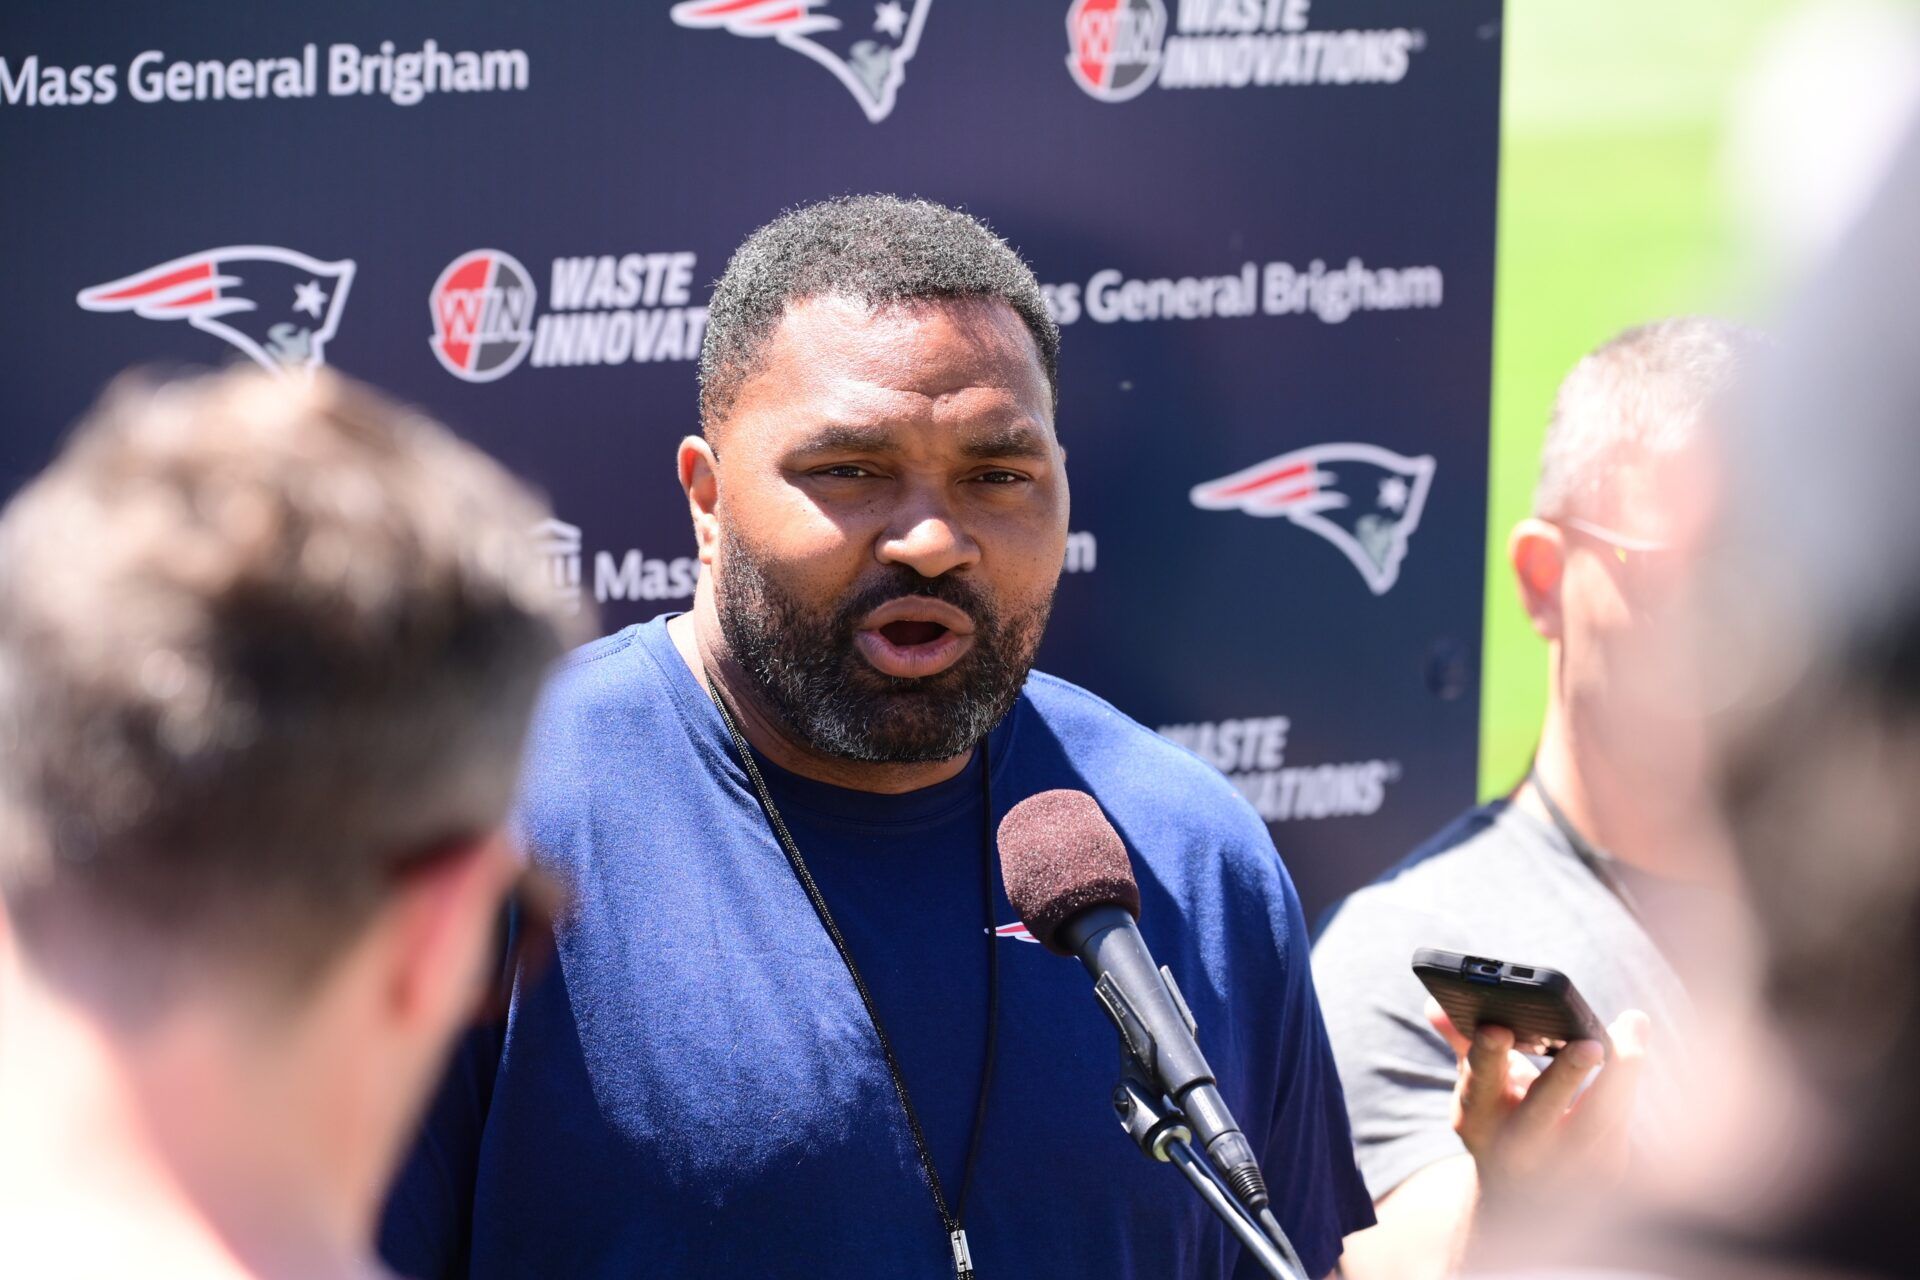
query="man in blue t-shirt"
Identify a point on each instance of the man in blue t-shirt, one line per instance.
(700, 1086)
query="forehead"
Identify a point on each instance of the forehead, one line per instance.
(836, 358)
(1662, 494)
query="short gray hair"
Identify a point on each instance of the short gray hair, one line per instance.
(1638, 397)
(258, 637)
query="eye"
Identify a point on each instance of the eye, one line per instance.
(1000, 477)
(844, 471)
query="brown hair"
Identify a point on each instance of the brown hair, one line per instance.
(258, 638)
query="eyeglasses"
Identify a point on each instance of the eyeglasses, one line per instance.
(1647, 565)
(1624, 543)
(523, 943)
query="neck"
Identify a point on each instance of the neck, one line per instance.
(1654, 826)
(170, 1149)
(702, 646)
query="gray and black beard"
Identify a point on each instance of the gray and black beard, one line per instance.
(806, 669)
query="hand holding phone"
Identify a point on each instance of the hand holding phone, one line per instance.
(1529, 1128)
(1539, 1005)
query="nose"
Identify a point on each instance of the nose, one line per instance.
(927, 537)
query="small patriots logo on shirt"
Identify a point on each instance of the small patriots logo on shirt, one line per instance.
(865, 45)
(1017, 931)
(1362, 498)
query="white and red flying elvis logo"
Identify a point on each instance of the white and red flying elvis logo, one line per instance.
(865, 45)
(278, 306)
(1363, 499)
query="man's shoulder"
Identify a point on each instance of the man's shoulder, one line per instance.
(619, 670)
(1101, 736)
(1460, 850)
(1475, 867)
(610, 697)
(1125, 763)
(609, 658)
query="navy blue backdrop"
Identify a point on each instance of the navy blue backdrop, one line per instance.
(1267, 227)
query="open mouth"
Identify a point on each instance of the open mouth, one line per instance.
(909, 632)
(914, 637)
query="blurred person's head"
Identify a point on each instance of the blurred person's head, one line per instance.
(1817, 587)
(1624, 481)
(877, 392)
(1803, 1144)
(268, 648)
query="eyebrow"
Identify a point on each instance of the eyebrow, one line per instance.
(1005, 442)
(994, 442)
(841, 437)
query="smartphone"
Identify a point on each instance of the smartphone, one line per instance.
(1539, 1005)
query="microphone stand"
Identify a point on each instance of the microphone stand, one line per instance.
(1161, 1132)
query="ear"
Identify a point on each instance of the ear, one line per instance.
(1538, 552)
(441, 923)
(701, 481)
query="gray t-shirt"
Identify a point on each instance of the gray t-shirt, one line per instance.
(1497, 883)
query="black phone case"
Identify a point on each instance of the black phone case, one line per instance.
(1539, 1005)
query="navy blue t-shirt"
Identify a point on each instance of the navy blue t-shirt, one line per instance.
(694, 1090)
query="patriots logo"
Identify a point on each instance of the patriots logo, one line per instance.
(1363, 499)
(868, 56)
(278, 306)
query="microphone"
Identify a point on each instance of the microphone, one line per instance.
(1068, 877)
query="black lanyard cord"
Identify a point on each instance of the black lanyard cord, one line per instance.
(1598, 863)
(988, 848)
(951, 1219)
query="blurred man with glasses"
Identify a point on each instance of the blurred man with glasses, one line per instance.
(268, 650)
(1598, 864)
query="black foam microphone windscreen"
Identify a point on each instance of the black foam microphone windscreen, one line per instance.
(1060, 856)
